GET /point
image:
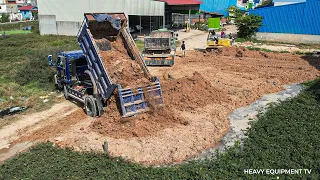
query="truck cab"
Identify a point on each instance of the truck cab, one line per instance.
(70, 67)
(72, 76)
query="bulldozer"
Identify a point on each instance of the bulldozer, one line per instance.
(213, 42)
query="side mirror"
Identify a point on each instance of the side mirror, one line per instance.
(51, 63)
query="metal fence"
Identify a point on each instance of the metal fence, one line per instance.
(300, 18)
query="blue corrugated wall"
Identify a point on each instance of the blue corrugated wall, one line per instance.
(300, 18)
(219, 6)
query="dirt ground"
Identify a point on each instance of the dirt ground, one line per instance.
(200, 91)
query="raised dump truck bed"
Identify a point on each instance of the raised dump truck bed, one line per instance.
(113, 58)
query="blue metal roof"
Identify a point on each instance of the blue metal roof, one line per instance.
(289, 0)
(72, 54)
(299, 18)
(220, 6)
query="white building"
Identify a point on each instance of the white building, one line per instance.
(3, 7)
(64, 17)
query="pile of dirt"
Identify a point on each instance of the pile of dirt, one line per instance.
(243, 52)
(185, 94)
(112, 124)
(240, 52)
(161, 34)
(121, 68)
(192, 92)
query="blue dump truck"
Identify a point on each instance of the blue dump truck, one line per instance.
(82, 75)
(159, 48)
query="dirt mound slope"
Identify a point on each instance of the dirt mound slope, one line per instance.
(243, 52)
(192, 92)
(185, 94)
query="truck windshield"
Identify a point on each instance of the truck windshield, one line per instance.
(81, 62)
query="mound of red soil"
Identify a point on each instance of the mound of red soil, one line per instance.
(191, 92)
(243, 52)
(182, 94)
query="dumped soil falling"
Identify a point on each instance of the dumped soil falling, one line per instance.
(183, 94)
(121, 68)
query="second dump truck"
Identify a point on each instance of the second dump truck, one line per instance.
(159, 48)
(84, 76)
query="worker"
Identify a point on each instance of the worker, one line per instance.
(222, 34)
(213, 36)
(232, 38)
(183, 48)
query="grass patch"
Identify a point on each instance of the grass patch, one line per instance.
(259, 49)
(18, 25)
(17, 32)
(285, 137)
(177, 43)
(308, 46)
(301, 45)
(140, 45)
(304, 53)
(25, 73)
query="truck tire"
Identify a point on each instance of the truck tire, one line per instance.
(90, 106)
(65, 92)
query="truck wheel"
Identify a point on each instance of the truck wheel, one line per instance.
(65, 92)
(90, 106)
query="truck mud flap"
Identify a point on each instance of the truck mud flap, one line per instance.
(138, 100)
(159, 61)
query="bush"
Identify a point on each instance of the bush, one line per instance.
(35, 15)
(36, 69)
(4, 18)
(200, 25)
(248, 25)
(35, 29)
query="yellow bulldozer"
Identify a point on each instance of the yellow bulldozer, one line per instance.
(213, 42)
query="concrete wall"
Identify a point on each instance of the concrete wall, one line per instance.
(47, 24)
(68, 28)
(289, 38)
(68, 14)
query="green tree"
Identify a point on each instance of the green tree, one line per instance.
(248, 25)
(35, 15)
(4, 18)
